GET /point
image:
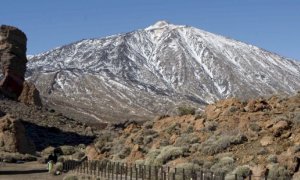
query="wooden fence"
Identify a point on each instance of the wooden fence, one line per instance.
(123, 171)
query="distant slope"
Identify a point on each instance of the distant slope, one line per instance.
(154, 70)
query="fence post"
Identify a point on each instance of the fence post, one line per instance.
(223, 176)
(161, 173)
(117, 171)
(183, 174)
(136, 173)
(156, 172)
(126, 171)
(235, 177)
(131, 172)
(173, 176)
(149, 169)
(212, 175)
(201, 176)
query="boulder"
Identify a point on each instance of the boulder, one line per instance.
(13, 137)
(30, 95)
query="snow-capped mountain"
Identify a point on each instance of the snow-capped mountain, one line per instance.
(154, 70)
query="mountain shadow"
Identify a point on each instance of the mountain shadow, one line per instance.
(43, 136)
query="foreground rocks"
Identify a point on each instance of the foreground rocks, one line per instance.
(13, 137)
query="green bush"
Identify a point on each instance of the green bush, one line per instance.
(211, 125)
(272, 158)
(278, 172)
(151, 156)
(241, 172)
(67, 150)
(186, 140)
(173, 128)
(188, 169)
(168, 153)
(224, 165)
(254, 127)
(216, 144)
(186, 110)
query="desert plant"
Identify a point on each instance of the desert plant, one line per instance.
(67, 150)
(189, 168)
(151, 156)
(211, 125)
(224, 165)
(216, 144)
(148, 124)
(185, 110)
(272, 158)
(168, 153)
(240, 171)
(254, 127)
(278, 172)
(173, 128)
(186, 140)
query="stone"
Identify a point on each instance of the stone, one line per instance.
(30, 95)
(266, 140)
(13, 60)
(13, 64)
(13, 136)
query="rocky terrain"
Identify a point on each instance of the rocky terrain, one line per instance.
(26, 127)
(230, 136)
(151, 71)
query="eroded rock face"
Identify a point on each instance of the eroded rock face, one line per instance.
(13, 137)
(30, 95)
(13, 60)
(13, 63)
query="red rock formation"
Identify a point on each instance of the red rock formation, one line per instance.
(13, 62)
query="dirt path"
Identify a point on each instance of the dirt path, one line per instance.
(26, 171)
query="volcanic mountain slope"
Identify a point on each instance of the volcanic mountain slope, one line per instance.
(154, 70)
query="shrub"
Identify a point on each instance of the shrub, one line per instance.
(216, 144)
(186, 111)
(188, 169)
(67, 150)
(148, 124)
(70, 177)
(278, 172)
(211, 125)
(254, 127)
(47, 151)
(78, 155)
(224, 165)
(151, 156)
(173, 128)
(242, 171)
(272, 159)
(186, 140)
(168, 153)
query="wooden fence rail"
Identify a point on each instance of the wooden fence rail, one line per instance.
(123, 171)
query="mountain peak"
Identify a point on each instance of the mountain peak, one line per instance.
(160, 24)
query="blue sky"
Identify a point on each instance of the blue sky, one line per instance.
(270, 24)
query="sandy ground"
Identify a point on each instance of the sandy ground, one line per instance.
(26, 171)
